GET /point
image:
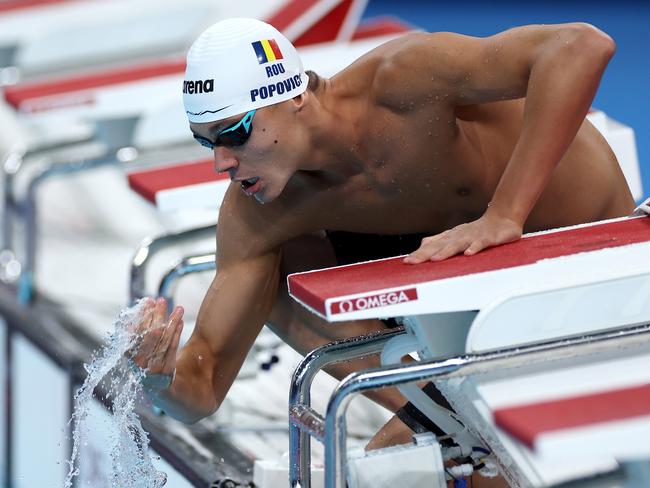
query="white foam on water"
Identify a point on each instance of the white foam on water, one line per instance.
(128, 443)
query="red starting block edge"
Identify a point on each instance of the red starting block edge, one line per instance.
(527, 423)
(389, 288)
(10, 6)
(161, 186)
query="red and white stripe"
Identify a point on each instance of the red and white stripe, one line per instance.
(307, 22)
(599, 251)
(181, 186)
(11, 6)
(596, 411)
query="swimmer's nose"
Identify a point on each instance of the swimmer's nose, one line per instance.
(224, 159)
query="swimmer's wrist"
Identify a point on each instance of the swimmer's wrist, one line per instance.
(155, 384)
(505, 212)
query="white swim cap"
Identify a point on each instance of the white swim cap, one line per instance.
(238, 65)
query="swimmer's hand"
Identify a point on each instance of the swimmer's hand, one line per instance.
(490, 230)
(155, 352)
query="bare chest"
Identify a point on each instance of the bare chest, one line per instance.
(422, 175)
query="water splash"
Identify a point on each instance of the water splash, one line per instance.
(131, 465)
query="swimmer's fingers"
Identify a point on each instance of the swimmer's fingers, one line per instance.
(438, 247)
(158, 359)
(144, 320)
(437, 252)
(427, 246)
(488, 231)
(159, 312)
(140, 326)
(151, 332)
(169, 362)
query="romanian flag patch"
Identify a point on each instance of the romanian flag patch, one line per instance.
(267, 50)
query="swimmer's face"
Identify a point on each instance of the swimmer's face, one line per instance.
(257, 149)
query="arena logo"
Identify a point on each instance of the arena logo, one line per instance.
(374, 301)
(198, 86)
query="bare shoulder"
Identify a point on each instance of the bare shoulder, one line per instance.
(407, 68)
(417, 67)
(380, 68)
(462, 70)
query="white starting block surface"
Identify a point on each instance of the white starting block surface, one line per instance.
(580, 411)
(561, 420)
(604, 250)
(621, 139)
(546, 423)
(180, 186)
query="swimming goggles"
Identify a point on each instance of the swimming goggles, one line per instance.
(235, 135)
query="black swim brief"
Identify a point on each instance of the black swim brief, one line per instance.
(350, 247)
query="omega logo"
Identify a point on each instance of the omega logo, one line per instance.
(374, 301)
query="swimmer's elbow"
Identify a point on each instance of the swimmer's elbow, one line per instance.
(195, 416)
(590, 41)
(192, 420)
(189, 408)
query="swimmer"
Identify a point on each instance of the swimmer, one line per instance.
(431, 145)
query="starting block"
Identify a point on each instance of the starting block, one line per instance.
(567, 415)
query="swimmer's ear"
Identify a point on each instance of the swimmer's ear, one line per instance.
(301, 101)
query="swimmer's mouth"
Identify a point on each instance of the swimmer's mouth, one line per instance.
(246, 184)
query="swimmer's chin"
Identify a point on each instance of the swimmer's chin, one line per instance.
(263, 195)
(262, 198)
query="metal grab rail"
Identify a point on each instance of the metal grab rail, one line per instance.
(303, 421)
(149, 247)
(186, 266)
(12, 163)
(27, 210)
(461, 366)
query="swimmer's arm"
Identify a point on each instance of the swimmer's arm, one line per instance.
(558, 69)
(231, 315)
